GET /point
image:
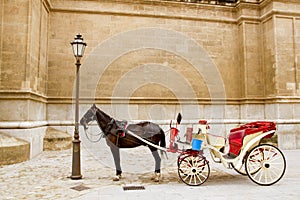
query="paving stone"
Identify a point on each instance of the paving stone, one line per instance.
(46, 177)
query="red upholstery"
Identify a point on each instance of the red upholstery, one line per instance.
(237, 135)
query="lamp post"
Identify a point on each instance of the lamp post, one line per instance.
(78, 47)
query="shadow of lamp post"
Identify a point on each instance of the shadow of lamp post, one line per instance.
(78, 47)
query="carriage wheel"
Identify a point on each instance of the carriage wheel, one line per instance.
(187, 152)
(241, 171)
(265, 164)
(193, 170)
(179, 159)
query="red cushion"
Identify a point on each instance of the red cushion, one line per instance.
(237, 135)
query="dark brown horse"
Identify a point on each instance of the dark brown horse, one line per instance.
(115, 138)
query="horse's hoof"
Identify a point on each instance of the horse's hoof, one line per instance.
(117, 178)
(156, 177)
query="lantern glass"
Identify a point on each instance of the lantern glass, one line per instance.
(78, 46)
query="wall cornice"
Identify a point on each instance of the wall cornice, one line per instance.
(142, 8)
(175, 101)
(243, 10)
(22, 95)
(29, 95)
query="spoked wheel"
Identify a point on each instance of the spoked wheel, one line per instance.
(193, 170)
(186, 153)
(265, 164)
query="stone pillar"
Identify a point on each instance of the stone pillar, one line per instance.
(23, 67)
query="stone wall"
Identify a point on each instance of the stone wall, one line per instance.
(24, 70)
(24, 40)
(229, 63)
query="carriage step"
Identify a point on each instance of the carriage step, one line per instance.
(229, 156)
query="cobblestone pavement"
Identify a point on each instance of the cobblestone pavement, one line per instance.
(46, 177)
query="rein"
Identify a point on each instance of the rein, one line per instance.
(88, 134)
(102, 135)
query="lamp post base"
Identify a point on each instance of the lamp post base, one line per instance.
(76, 177)
(76, 174)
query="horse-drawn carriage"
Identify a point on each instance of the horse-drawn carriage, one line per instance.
(263, 163)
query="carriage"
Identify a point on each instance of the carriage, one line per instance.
(263, 163)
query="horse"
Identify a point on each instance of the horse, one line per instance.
(114, 134)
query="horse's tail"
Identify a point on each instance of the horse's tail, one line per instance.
(162, 142)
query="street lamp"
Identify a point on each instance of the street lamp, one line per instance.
(78, 47)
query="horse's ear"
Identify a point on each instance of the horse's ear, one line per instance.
(93, 106)
(179, 117)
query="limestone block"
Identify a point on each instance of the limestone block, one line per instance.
(56, 140)
(252, 111)
(285, 111)
(190, 112)
(60, 112)
(13, 150)
(18, 114)
(287, 136)
(22, 110)
(123, 111)
(34, 136)
(296, 110)
(287, 140)
(232, 112)
(271, 111)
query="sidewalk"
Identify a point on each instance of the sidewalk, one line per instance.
(45, 177)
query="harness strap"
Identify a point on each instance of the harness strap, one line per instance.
(146, 141)
(117, 142)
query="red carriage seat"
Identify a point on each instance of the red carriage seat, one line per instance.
(236, 135)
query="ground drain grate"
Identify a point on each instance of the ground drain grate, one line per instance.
(126, 188)
(80, 188)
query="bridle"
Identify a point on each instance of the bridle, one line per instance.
(93, 117)
(89, 134)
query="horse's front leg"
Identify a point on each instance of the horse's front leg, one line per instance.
(116, 155)
(157, 175)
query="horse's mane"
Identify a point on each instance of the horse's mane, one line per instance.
(103, 113)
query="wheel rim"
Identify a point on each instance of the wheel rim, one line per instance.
(193, 170)
(265, 165)
(241, 171)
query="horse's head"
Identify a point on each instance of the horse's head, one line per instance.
(89, 116)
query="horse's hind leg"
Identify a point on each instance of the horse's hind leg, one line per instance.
(116, 155)
(157, 159)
